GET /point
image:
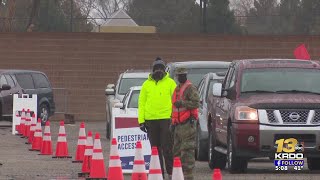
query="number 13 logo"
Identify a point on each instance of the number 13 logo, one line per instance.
(290, 145)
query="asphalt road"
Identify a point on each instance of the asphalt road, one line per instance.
(19, 163)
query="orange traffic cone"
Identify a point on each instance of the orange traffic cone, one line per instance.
(97, 169)
(27, 124)
(87, 156)
(62, 145)
(22, 123)
(115, 169)
(177, 173)
(139, 167)
(46, 147)
(17, 125)
(32, 128)
(155, 172)
(37, 139)
(81, 144)
(216, 174)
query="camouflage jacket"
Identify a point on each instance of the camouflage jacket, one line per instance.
(191, 97)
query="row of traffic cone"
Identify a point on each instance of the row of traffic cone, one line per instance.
(91, 154)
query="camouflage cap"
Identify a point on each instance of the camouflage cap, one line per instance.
(181, 70)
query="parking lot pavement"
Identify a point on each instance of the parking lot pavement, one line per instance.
(20, 163)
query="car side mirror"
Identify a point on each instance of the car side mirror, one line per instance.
(5, 87)
(110, 92)
(119, 105)
(217, 89)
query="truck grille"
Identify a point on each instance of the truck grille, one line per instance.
(271, 117)
(294, 116)
(316, 118)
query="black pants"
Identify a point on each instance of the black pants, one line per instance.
(161, 137)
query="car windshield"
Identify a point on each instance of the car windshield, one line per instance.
(196, 74)
(280, 79)
(133, 102)
(127, 83)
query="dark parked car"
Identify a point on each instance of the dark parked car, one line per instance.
(26, 82)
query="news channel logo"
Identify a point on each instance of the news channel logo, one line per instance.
(289, 154)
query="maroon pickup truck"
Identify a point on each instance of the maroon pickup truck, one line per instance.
(259, 102)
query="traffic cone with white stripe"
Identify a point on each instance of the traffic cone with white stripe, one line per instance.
(115, 169)
(27, 124)
(62, 145)
(177, 173)
(139, 167)
(81, 144)
(46, 147)
(22, 123)
(87, 156)
(32, 128)
(18, 125)
(97, 169)
(155, 172)
(37, 139)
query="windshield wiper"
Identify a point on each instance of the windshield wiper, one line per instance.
(296, 91)
(258, 91)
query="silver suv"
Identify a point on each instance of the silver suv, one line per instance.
(115, 93)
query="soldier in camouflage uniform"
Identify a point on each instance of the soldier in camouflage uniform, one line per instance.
(185, 102)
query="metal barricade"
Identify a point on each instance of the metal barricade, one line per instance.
(60, 96)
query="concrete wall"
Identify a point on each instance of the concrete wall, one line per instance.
(83, 63)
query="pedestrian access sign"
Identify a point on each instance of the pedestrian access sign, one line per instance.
(125, 129)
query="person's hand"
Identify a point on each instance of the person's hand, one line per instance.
(143, 127)
(178, 104)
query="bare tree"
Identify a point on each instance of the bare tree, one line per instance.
(100, 10)
(241, 7)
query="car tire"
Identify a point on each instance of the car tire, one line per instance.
(1, 117)
(43, 113)
(201, 147)
(215, 158)
(313, 164)
(108, 124)
(108, 130)
(235, 164)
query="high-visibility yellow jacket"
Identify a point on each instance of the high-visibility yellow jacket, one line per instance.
(155, 99)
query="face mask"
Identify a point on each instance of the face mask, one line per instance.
(157, 75)
(182, 78)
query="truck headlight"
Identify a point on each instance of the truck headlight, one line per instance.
(246, 113)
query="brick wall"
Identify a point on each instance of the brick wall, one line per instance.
(83, 63)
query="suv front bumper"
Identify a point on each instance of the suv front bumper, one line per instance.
(268, 133)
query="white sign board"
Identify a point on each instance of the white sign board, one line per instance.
(125, 128)
(24, 102)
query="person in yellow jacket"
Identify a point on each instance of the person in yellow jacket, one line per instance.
(154, 112)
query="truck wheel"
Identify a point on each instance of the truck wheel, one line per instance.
(235, 164)
(313, 163)
(215, 159)
(201, 149)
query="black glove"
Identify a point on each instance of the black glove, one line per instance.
(178, 104)
(143, 127)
